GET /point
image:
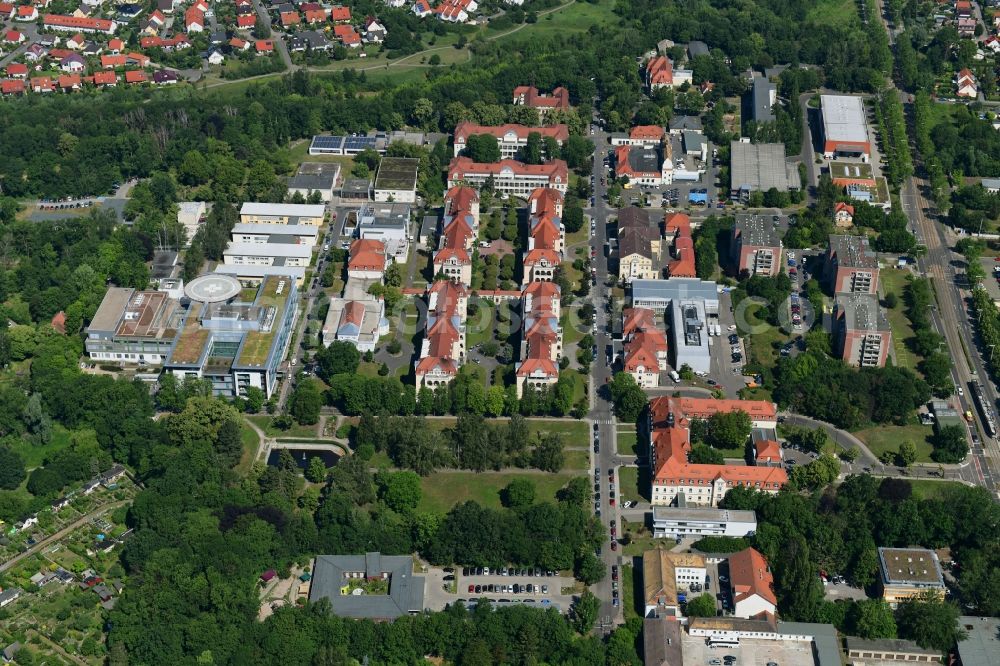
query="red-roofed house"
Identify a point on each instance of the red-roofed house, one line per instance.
(347, 35)
(13, 37)
(264, 46)
(443, 347)
(7, 10)
(194, 20)
(313, 12)
(137, 59)
(289, 19)
(702, 484)
(368, 259)
(422, 8)
(966, 84)
(135, 76)
(238, 44)
(541, 337)
(648, 136)
(112, 61)
(26, 13)
(42, 84)
(683, 263)
(455, 11)
(76, 42)
(11, 87)
(59, 54)
(18, 70)
(752, 584)
(963, 8)
(246, 21)
(115, 46)
(67, 83)
(157, 18)
(105, 79)
(767, 452)
(340, 14)
(843, 214)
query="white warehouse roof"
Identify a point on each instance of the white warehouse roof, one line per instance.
(844, 118)
(276, 229)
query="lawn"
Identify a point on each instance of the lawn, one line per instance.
(628, 442)
(571, 334)
(248, 436)
(880, 439)
(443, 490)
(263, 422)
(575, 17)
(577, 460)
(894, 281)
(761, 344)
(34, 455)
(928, 489)
(834, 12)
(631, 581)
(629, 480)
(579, 384)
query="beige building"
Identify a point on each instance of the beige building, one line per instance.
(282, 213)
(638, 245)
(664, 575)
(861, 652)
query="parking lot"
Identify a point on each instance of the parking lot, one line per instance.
(436, 596)
(751, 652)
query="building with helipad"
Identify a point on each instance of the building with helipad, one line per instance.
(219, 330)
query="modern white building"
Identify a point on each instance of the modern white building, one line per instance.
(267, 254)
(261, 234)
(670, 521)
(133, 327)
(190, 215)
(389, 223)
(845, 127)
(396, 180)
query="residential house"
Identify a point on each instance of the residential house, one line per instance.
(137, 59)
(752, 585)
(966, 27)
(459, 227)
(421, 8)
(35, 52)
(17, 70)
(115, 46)
(375, 32)
(11, 87)
(76, 24)
(42, 84)
(13, 37)
(455, 11)
(164, 77)
(246, 21)
(26, 13)
(69, 82)
(442, 350)
(289, 17)
(135, 77)
(7, 11)
(76, 42)
(660, 73)
(966, 84)
(194, 20)
(112, 61)
(264, 47)
(73, 64)
(215, 57)
(340, 14)
(843, 214)
(105, 79)
(756, 245)
(237, 44)
(851, 266)
(862, 335)
(347, 35)
(313, 12)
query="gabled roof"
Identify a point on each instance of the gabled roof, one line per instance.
(750, 575)
(135, 76)
(538, 255)
(105, 78)
(340, 13)
(67, 82)
(366, 255)
(460, 198)
(466, 129)
(660, 70)
(544, 200)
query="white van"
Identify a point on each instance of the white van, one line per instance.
(674, 376)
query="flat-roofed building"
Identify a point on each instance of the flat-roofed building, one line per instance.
(845, 127)
(909, 572)
(510, 138)
(851, 266)
(664, 575)
(263, 234)
(886, 651)
(396, 180)
(388, 223)
(315, 179)
(234, 337)
(981, 644)
(335, 577)
(267, 254)
(133, 327)
(658, 294)
(689, 334)
(683, 521)
(756, 245)
(763, 95)
(759, 167)
(282, 213)
(862, 333)
(190, 215)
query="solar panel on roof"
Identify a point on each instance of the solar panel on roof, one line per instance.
(327, 141)
(358, 142)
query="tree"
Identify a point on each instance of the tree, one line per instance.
(482, 148)
(930, 622)
(872, 619)
(705, 455)
(306, 402)
(576, 492)
(316, 471)
(200, 421)
(800, 591)
(229, 443)
(584, 612)
(728, 430)
(628, 397)
(254, 400)
(36, 420)
(701, 606)
(950, 445)
(589, 569)
(532, 151)
(548, 454)
(400, 491)
(340, 357)
(11, 468)
(518, 494)
(907, 453)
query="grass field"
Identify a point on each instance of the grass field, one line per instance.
(888, 437)
(577, 460)
(263, 422)
(576, 17)
(443, 490)
(761, 344)
(34, 455)
(927, 489)
(629, 480)
(628, 442)
(630, 582)
(834, 12)
(248, 436)
(893, 281)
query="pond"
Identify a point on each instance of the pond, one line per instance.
(302, 457)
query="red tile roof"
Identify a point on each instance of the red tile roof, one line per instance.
(112, 61)
(290, 18)
(105, 79)
(135, 76)
(646, 133)
(466, 129)
(347, 34)
(367, 255)
(660, 70)
(66, 82)
(246, 20)
(559, 99)
(264, 45)
(81, 23)
(340, 13)
(17, 69)
(11, 87)
(749, 575)
(684, 264)
(459, 166)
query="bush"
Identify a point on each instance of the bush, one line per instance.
(716, 544)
